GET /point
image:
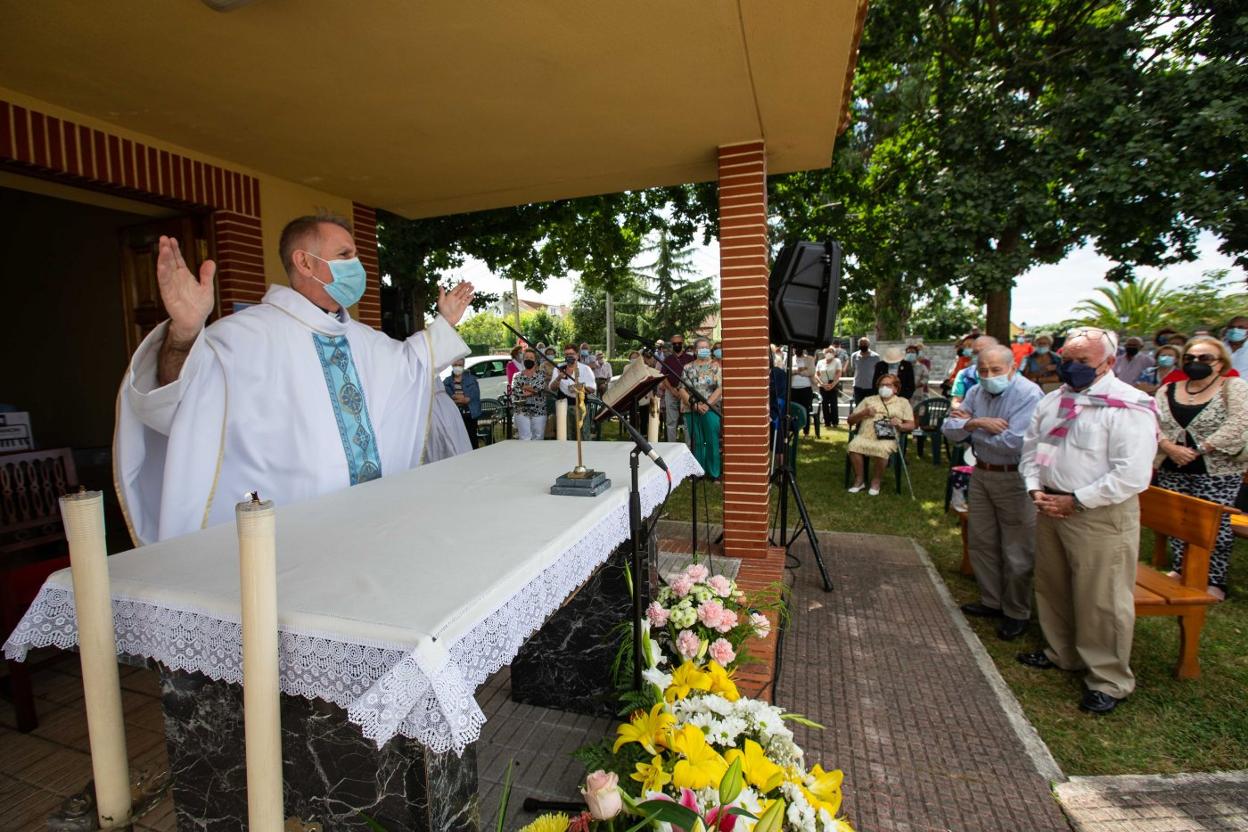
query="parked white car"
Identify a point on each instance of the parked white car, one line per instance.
(491, 373)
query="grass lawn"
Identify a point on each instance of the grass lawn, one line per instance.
(1166, 726)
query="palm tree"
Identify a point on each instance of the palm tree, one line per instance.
(1145, 306)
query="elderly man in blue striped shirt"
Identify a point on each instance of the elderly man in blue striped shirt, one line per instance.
(1001, 516)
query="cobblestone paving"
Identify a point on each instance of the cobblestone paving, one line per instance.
(1157, 803)
(909, 715)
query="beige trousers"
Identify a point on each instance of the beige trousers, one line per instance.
(1085, 592)
(1001, 539)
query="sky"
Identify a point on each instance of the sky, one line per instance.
(1044, 295)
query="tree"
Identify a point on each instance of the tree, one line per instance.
(596, 236)
(992, 136)
(1144, 307)
(677, 303)
(1132, 307)
(943, 317)
(545, 328)
(484, 329)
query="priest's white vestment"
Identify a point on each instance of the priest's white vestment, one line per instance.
(279, 397)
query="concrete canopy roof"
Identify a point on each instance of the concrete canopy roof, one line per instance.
(442, 106)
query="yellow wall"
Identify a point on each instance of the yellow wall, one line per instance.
(280, 200)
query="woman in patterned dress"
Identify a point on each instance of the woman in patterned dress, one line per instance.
(890, 407)
(528, 394)
(701, 422)
(1203, 421)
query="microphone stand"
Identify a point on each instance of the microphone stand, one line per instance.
(641, 446)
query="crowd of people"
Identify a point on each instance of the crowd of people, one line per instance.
(1052, 509)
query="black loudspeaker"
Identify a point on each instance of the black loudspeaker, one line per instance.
(804, 286)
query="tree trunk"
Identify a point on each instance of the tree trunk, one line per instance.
(998, 316)
(892, 310)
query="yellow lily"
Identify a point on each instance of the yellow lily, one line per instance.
(825, 793)
(649, 730)
(702, 766)
(760, 772)
(721, 682)
(687, 678)
(651, 775)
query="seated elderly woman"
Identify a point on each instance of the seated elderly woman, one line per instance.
(880, 418)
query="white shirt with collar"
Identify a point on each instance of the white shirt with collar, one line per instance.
(1239, 357)
(1106, 458)
(584, 375)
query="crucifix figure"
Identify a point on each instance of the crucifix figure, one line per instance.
(580, 421)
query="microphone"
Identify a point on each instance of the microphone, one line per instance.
(637, 438)
(629, 334)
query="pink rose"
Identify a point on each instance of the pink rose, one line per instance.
(720, 585)
(688, 644)
(602, 794)
(710, 613)
(722, 652)
(657, 614)
(727, 620)
(682, 585)
(697, 572)
(761, 624)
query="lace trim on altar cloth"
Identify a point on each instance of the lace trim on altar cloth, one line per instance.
(385, 689)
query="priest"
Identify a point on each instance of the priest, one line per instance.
(291, 397)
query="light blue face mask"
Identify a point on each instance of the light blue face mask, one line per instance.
(1165, 361)
(1042, 350)
(704, 352)
(995, 384)
(349, 280)
(1235, 334)
(912, 356)
(717, 352)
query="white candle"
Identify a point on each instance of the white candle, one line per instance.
(83, 514)
(257, 547)
(561, 420)
(652, 426)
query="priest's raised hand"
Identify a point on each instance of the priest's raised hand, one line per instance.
(453, 304)
(187, 299)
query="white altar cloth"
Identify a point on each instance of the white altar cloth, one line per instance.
(396, 598)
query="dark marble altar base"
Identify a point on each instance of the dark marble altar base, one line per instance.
(332, 772)
(567, 663)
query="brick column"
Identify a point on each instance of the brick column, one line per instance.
(364, 221)
(240, 260)
(744, 321)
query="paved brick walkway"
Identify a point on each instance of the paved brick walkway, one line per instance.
(910, 715)
(1157, 803)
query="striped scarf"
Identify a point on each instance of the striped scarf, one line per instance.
(1068, 409)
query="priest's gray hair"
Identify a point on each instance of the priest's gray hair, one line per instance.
(297, 232)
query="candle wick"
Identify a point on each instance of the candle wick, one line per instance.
(255, 496)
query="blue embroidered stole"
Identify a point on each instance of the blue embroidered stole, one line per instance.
(347, 396)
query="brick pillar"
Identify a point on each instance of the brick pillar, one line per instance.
(364, 221)
(240, 260)
(743, 273)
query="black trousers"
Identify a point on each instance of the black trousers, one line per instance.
(805, 396)
(470, 423)
(861, 393)
(831, 408)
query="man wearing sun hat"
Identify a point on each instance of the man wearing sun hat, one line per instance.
(894, 362)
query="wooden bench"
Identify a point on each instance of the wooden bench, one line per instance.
(1170, 514)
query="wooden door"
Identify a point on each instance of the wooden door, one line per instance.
(141, 301)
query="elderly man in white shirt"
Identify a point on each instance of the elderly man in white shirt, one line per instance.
(1087, 454)
(570, 374)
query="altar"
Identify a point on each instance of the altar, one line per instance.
(397, 598)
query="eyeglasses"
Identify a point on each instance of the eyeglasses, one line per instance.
(1203, 358)
(1092, 333)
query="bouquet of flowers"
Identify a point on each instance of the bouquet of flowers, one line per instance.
(703, 758)
(699, 617)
